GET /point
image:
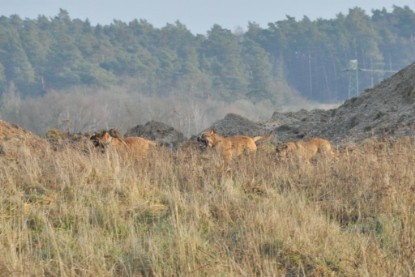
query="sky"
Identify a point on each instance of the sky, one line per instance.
(197, 15)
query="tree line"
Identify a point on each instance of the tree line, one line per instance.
(311, 57)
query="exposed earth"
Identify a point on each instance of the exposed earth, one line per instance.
(17, 143)
(158, 131)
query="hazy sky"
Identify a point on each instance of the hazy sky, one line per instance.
(197, 15)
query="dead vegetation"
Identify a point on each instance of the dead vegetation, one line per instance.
(71, 212)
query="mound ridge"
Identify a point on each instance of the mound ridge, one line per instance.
(387, 110)
(16, 142)
(233, 124)
(157, 131)
(384, 111)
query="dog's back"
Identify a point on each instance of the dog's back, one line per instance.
(137, 145)
(305, 149)
(130, 146)
(228, 147)
(235, 146)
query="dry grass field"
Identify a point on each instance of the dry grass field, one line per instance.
(80, 213)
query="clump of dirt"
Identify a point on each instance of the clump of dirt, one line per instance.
(296, 125)
(159, 132)
(386, 111)
(60, 140)
(16, 142)
(234, 124)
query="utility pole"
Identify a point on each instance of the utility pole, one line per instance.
(353, 70)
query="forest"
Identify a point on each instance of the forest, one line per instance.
(323, 60)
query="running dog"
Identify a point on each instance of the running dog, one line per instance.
(228, 147)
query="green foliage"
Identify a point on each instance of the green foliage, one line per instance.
(43, 54)
(260, 70)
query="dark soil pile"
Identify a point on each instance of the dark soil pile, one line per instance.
(386, 111)
(78, 141)
(159, 132)
(297, 125)
(17, 143)
(234, 124)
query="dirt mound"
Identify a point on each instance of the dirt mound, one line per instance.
(60, 140)
(158, 131)
(297, 125)
(385, 111)
(234, 124)
(16, 142)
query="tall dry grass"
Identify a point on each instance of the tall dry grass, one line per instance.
(68, 213)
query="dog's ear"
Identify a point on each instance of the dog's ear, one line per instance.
(280, 146)
(212, 131)
(115, 133)
(94, 136)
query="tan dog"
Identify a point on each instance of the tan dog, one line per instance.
(304, 150)
(128, 146)
(228, 147)
(265, 144)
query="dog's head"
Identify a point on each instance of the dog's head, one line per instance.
(281, 150)
(101, 139)
(207, 138)
(115, 133)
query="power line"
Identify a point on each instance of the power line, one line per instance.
(353, 78)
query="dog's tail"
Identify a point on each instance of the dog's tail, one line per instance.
(260, 139)
(257, 138)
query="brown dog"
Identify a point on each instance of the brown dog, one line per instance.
(228, 147)
(134, 146)
(304, 150)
